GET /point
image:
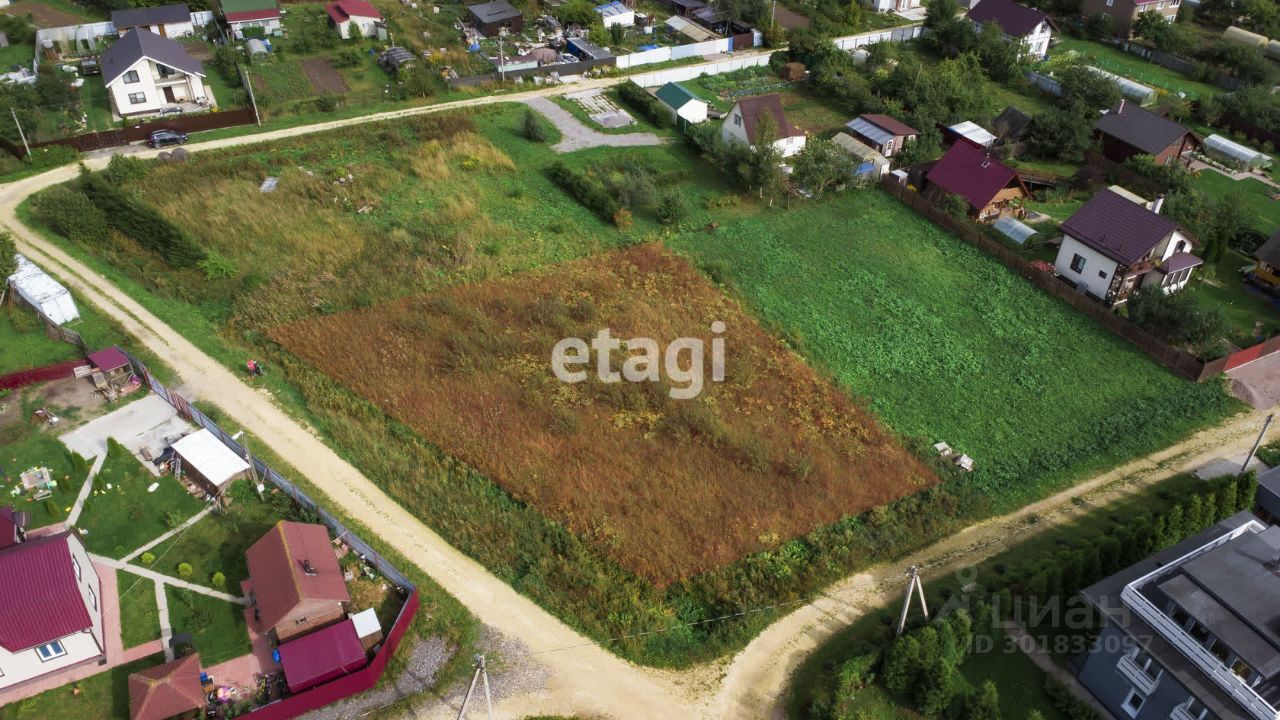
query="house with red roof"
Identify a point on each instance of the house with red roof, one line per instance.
(989, 187)
(743, 123)
(1030, 27)
(1116, 243)
(1124, 12)
(50, 608)
(242, 15)
(354, 18)
(295, 584)
(167, 691)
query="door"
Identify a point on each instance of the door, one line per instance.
(163, 32)
(169, 96)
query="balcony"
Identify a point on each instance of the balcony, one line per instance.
(1182, 713)
(1137, 676)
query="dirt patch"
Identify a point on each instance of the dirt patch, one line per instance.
(42, 15)
(789, 19)
(74, 398)
(323, 76)
(201, 51)
(667, 487)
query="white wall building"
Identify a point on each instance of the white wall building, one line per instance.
(682, 103)
(1019, 23)
(354, 18)
(615, 13)
(743, 121)
(145, 73)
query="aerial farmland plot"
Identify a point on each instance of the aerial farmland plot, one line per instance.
(404, 284)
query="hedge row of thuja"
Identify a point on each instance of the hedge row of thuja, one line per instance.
(141, 223)
(644, 103)
(585, 189)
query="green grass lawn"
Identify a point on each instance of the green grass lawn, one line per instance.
(123, 517)
(23, 344)
(943, 342)
(218, 630)
(218, 542)
(17, 55)
(1252, 197)
(221, 90)
(96, 103)
(1242, 306)
(104, 696)
(1135, 68)
(25, 446)
(139, 618)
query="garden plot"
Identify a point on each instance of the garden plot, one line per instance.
(667, 487)
(601, 109)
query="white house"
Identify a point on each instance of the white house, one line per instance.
(1020, 23)
(615, 13)
(682, 104)
(243, 15)
(1113, 245)
(163, 20)
(895, 5)
(743, 122)
(354, 18)
(145, 73)
(50, 607)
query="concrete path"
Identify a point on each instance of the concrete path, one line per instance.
(167, 579)
(186, 524)
(1043, 660)
(574, 135)
(78, 506)
(1198, 165)
(166, 628)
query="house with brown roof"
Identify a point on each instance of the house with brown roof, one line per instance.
(990, 188)
(1127, 130)
(882, 133)
(743, 122)
(295, 584)
(1113, 245)
(167, 691)
(1020, 24)
(1124, 12)
(50, 608)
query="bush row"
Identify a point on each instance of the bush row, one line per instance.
(586, 190)
(141, 223)
(645, 104)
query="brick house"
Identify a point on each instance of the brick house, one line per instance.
(1124, 12)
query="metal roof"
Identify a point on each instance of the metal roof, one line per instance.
(1014, 19)
(612, 9)
(138, 44)
(495, 11)
(1269, 253)
(276, 569)
(1118, 227)
(322, 656)
(167, 690)
(971, 173)
(866, 129)
(143, 16)
(974, 132)
(40, 597)
(676, 95)
(210, 457)
(691, 30)
(1180, 261)
(860, 150)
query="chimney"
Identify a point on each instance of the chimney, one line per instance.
(308, 568)
(1121, 108)
(1157, 203)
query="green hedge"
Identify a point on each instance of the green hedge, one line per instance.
(644, 103)
(141, 223)
(585, 190)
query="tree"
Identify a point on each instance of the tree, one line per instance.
(671, 208)
(578, 12)
(948, 33)
(760, 169)
(1086, 90)
(984, 704)
(1099, 25)
(1061, 134)
(1004, 61)
(617, 33)
(1150, 26)
(1177, 318)
(936, 685)
(901, 664)
(822, 165)
(1241, 61)
(8, 261)
(927, 146)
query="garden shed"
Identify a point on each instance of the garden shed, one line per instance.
(207, 462)
(615, 13)
(974, 132)
(1234, 154)
(1014, 229)
(43, 292)
(868, 164)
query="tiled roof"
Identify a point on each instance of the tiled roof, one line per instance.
(137, 44)
(1117, 227)
(343, 10)
(40, 597)
(970, 172)
(885, 122)
(753, 107)
(1016, 20)
(279, 579)
(168, 690)
(1140, 128)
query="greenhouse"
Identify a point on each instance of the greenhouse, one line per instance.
(1134, 91)
(1014, 229)
(1234, 154)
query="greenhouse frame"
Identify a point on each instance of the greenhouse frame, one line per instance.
(1234, 154)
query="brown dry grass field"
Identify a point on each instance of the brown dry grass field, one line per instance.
(667, 488)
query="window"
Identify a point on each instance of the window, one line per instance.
(76, 562)
(1147, 664)
(131, 76)
(1240, 668)
(1102, 274)
(164, 70)
(93, 599)
(50, 651)
(1133, 703)
(737, 119)
(1077, 264)
(137, 98)
(1111, 2)
(1181, 617)
(1196, 709)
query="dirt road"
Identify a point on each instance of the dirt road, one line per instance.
(582, 678)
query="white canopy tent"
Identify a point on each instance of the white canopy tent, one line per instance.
(207, 456)
(43, 292)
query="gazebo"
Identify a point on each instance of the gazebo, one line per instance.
(167, 691)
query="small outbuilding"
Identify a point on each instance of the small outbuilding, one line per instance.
(394, 59)
(685, 107)
(207, 462)
(322, 656)
(110, 367)
(354, 18)
(973, 132)
(368, 629)
(43, 293)
(587, 50)
(490, 18)
(1014, 229)
(171, 690)
(1234, 154)
(615, 13)
(256, 48)
(869, 165)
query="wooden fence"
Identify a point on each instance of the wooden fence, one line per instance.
(141, 131)
(1178, 361)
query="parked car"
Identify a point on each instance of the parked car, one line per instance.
(89, 66)
(160, 138)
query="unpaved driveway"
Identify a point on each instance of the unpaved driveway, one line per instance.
(1258, 382)
(576, 136)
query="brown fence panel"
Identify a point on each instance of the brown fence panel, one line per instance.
(141, 131)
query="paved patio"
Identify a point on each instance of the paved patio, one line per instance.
(243, 672)
(149, 423)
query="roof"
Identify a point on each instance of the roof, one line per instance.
(43, 291)
(396, 55)
(133, 46)
(1140, 128)
(40, 597)
(279, 580)
(612, 9)
(366, 623)
(688, 4)
(1117, 227)
(250, 15)
(1269, 251)
(1180, 261)
(1011, 122)
(863, 152)
(973, 131)
(710, 14)
(109, 359)
(870, 131)
(245, 6)
(321, 656)
(1016, 20)
(143, 16)
(343, 10)
(166, 690)
(1235, 574)
(889, 124)
(753, 107)
(210, 457)
(8, 527)
(588, 48)
(677, 96)
(691, 30)
(495, 11)
(971, 173)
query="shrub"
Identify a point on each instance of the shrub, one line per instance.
(184, 570)
(52, 509)
(534, 130)
(71, 214)
(51, 156)
(327, 102)
(123, 169)
(671, 208)
(622, 218)
(644, 103)
(584, 189)
(148, 558)
(218, 580)
(141, 223)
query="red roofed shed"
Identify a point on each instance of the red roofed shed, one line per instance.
(989, 186)
(322, 656)
(295, 580)
(166, 691)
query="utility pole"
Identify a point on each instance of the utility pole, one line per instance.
(481, 672)
(248, 85)
(20, 133)
(773, 14)
(502, 61)
(1256, 444)
(913, 583)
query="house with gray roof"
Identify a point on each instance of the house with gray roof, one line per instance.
(1192, 632)
(163, 20)
(685, 107)
(1127, 130)
(146, 74)
(1267, 270)
(882, 133)
(1113, 245)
